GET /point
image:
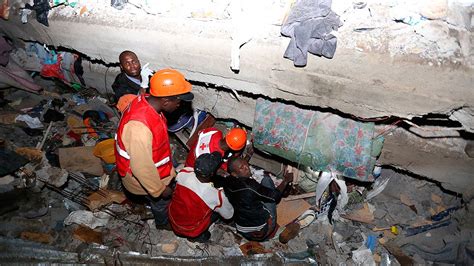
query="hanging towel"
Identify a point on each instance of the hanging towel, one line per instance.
(309, 25)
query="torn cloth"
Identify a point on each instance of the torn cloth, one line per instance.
(309, 26)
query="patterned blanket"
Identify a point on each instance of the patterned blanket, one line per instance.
(322, 141)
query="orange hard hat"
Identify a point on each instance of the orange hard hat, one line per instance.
(236, 139)
(170, 82)
(125, 101)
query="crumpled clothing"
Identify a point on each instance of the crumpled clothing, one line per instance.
(32, 122)
(63, 65)
(309, 26)
(53, 70)
(42, 8)
(323, 184)
(118, 4)
(43, 55)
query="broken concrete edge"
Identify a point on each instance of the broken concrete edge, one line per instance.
(467, 195)
(19, 250)
(402, 92)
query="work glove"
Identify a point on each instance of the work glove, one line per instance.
(145, 73)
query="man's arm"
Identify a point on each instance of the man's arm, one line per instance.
(287, 179)
(269, 194)
(137, 139)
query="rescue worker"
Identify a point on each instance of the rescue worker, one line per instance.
(143, 154)
(212, 140)
(196, 203)
(133, 80)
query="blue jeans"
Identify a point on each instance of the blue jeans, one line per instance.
(159, 208)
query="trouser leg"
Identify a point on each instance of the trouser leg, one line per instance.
(159, 208)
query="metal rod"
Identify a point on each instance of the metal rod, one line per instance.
(41, 144)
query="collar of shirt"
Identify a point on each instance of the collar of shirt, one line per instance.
(134, 80)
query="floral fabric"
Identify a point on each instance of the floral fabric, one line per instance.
(323, 141)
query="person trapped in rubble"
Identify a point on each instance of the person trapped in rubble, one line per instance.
(132, 78)
(212, 140)
(196, 203)
(142, 151)
(254, 203)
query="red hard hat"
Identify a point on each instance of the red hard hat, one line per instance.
(236, 139)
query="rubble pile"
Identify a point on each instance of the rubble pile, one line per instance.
(61, 196)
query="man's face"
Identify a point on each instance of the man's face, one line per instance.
(130, 64)
(171, 105)
(243, 169)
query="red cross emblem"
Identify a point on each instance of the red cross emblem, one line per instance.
(203, 146)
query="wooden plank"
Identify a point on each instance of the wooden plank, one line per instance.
(288, 211)
(80, 159)
(302, 196)
(363, 215)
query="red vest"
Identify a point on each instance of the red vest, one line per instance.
(140, 110)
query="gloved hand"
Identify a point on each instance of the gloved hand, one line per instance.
(145, 73)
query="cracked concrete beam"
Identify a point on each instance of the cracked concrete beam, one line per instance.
(363, 84)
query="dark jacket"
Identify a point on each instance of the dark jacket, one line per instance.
(122, 85)
(247, 196)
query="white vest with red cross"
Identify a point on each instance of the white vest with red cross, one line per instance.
(207, 142)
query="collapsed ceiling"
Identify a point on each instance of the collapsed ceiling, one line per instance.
(388, 63)
(407, 67)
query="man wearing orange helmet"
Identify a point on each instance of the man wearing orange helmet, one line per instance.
(142, 151)
(212, 140)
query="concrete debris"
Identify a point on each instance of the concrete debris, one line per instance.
(465, 116)
(434, 9)
(363, 256)
(52, 175)
(87, 218)
(5, 180)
